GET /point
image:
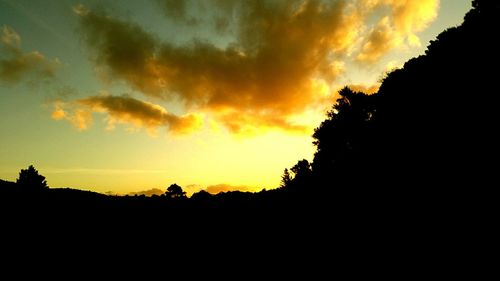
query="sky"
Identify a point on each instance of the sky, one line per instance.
(131, 95)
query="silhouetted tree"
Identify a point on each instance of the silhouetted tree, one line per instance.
(301, 169)
(299, 177)
(30, 179)
(286, 179)
(175, 191)
(341, 138)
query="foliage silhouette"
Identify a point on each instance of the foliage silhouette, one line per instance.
(286, 179)
(30, 179)
(174, 191)
(298, 177)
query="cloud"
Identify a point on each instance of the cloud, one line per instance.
(149, 192)
(397, 29)
(413, 16)
(408, 16)
(214, 189)
(265, 77)
(80, 118)
(125, 110)
(365, 89)
(381, 39)
(10, 37)
(15, 65)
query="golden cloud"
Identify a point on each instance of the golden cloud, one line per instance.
(364, 89)
(16, 65)
(266, 77)
(381, 39)
(269, 74)
(407, 18)
(80, 118)
(413, 16)
(125, 110)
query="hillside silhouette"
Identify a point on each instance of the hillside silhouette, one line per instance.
(421, 140)
(427, 131)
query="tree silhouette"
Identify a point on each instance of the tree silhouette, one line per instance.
(286, 179)
(29, 179)
(174, 191)
(298, 176)
(301, 171)
(344, 138)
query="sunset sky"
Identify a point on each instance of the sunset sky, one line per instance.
(131, 95)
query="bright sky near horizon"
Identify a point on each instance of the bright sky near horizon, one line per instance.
(124, 96)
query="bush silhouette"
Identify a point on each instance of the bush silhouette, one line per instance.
(30, 179)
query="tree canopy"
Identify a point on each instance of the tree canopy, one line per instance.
(174, 191)
(30, 179)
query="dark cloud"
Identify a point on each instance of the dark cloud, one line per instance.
(16, 65)
(123, 50)
(269, 74)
